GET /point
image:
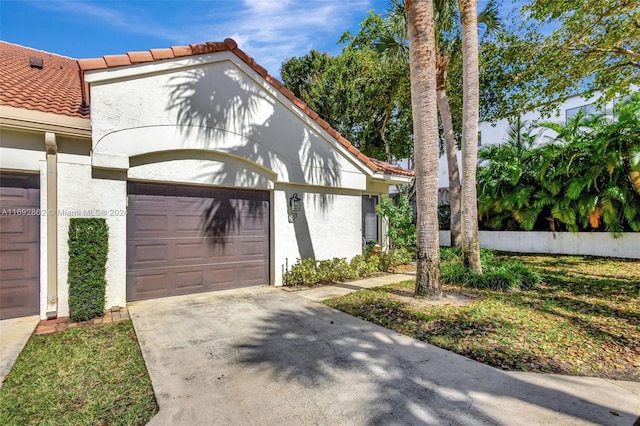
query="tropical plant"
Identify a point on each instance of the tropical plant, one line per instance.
(401, 232)
(584, 178)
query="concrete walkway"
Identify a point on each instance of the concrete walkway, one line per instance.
(262, 356)
(14, 334)
(324, 292)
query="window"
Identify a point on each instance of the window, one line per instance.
(369, 218)
(589, 109)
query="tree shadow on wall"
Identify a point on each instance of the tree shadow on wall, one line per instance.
(218, 108)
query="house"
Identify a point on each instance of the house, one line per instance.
(496, 133)
(209, 172)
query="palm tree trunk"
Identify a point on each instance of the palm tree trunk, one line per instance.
(422, 62)
(450, 150)
(470, 116)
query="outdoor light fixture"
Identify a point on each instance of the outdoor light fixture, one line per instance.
(295, 205)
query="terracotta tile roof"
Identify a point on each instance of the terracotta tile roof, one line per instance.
(56, 88)
(130, 58)
(391, 168)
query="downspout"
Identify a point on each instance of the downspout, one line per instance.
(52, 225)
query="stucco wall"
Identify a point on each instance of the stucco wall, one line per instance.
(330, 225)
(580, 243)
(21, 150)
(81, 196)
(220, 106)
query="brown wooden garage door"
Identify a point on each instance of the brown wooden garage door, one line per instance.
(19, 245)
(184, 239)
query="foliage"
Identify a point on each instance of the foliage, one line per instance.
(336, 269)
(444, 216)
(584, 179)
(81, 376)
(310, 272)
(362, 96)
(88, 249)
(498, 274)
(595, 47)
(585, 320)
(401, 231)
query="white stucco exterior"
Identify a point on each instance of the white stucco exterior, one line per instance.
(203, 120)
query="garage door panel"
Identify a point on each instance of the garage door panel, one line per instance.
(191, 251)
(147, 254)
(20, 229)
(18, 299)
(215, 239)
(19, 245)
(17, 262)
(149, 285)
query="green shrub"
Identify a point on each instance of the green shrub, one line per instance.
(88, 249)
(336, 269)
(401, 256)
(363, 267)
(311, 272)
(487, 256)
(303, 272)
(450, 254)
(497, 275)
(496, 278)
(455, 273)
(444, 217)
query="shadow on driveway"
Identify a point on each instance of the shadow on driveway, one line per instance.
(263, 356)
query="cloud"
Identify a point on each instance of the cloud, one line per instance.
(271, 31)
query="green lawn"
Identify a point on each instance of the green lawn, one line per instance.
(82, 376)
(583, 320)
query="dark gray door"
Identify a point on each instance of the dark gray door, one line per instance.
(188, 239)
(369, 218)
(19, 245)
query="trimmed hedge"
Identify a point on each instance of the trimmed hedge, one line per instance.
(88, 248)
(311, 272)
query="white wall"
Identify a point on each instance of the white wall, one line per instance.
(330, 225)
(21, 151)
(81, 196)
(579, 243)
(220, 106)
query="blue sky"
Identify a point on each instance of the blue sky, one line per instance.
(271, 31)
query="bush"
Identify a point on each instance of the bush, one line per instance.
(336, 269)
(444, 217)
(364, 267)
(450, 254)
(497, 275)
(88, 249)
(311, 272)
(455, 273)
(303, 272)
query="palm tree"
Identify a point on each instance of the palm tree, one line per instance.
(447, 47)
(470, 116)
(422, 63)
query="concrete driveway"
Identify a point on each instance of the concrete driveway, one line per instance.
(261, 356)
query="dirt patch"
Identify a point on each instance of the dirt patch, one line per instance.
(450, 298)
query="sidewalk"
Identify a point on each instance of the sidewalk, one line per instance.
(324, 292)
(14, 334)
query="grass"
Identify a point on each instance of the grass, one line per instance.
(584, 319)
(81, 376)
